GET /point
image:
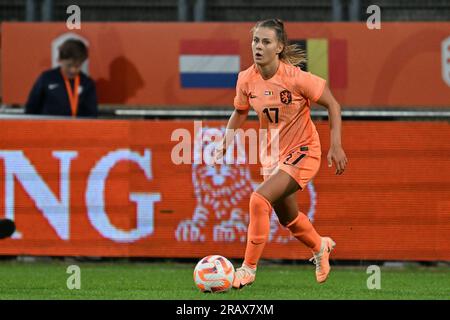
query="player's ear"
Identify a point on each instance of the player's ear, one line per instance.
(280, 47)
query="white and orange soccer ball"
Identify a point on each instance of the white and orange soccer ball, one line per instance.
(214, 274)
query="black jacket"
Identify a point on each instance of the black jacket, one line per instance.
(49, 96)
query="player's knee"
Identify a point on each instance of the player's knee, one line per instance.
(259, 204)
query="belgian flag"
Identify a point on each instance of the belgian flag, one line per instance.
(326, 58)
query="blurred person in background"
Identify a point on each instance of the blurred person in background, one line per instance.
(65, 90)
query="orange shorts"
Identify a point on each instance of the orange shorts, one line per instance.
(302, 163)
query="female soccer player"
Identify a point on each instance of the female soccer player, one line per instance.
(280, 93)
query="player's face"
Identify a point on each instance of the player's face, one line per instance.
(70, 67)
(265, 46)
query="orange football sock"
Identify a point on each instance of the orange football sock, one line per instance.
(303, 230)
(258, 229)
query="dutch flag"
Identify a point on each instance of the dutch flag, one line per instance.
(209, 63)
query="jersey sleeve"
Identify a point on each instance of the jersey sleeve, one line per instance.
(309, 85)
(241, 98)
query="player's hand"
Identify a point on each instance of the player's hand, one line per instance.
(337, 155)
(218, 157)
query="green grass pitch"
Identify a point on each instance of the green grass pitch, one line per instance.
(170, 281)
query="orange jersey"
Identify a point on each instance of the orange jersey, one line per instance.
(283, 102)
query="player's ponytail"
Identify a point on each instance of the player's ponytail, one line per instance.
(292, 53)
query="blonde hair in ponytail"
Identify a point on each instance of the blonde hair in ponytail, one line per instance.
(292, 54)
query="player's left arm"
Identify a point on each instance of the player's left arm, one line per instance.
(336, 153)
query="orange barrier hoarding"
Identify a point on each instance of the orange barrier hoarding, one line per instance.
(141, 64)
(110, 188)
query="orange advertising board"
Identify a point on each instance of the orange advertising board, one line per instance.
(196, 64)
(111, 188)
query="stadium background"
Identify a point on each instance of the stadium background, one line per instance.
(108, 187)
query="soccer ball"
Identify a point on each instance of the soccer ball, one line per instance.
(214, 274)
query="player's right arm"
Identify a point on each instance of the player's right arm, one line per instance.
(241, 103)
(237, 118)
